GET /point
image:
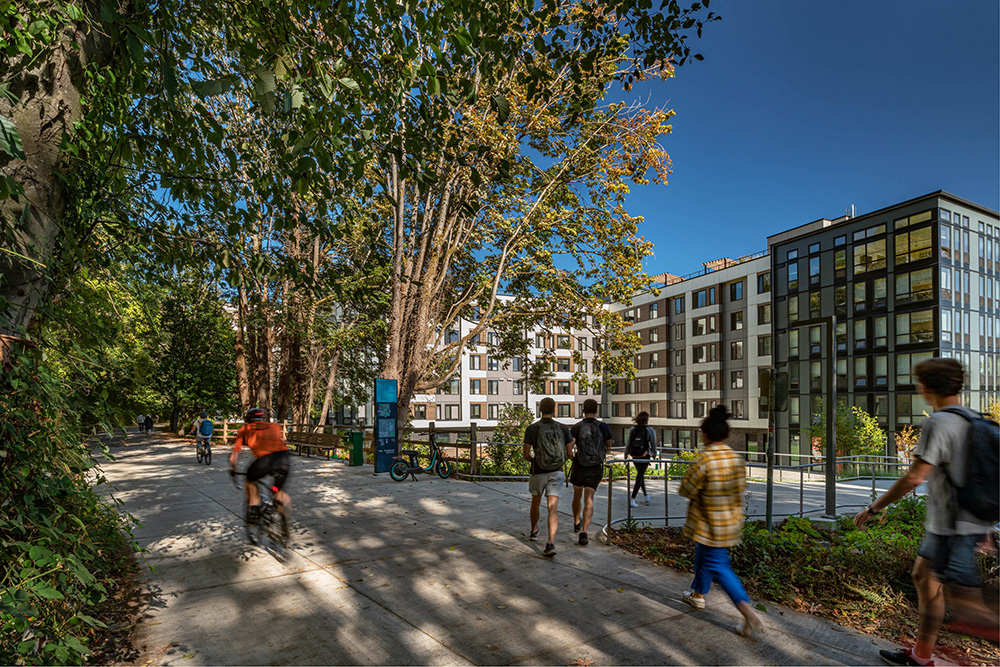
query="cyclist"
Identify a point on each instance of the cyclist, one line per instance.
(271, 457)
(202, 429)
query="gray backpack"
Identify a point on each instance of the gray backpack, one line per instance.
(590, 444)
(550, 447)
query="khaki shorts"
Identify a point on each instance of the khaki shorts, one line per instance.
(547, 483)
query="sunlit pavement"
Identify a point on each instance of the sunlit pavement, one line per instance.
(429, 572)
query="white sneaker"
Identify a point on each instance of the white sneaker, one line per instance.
(632, 503)
(648, 498)
(697, 603)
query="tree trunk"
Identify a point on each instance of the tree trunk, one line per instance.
(48, 95)
(331, 380)
(242, 380)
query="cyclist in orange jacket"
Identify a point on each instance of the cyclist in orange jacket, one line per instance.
(271, 457)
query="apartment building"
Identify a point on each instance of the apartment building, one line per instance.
(483, 384)
(905, 283)
(705, 339)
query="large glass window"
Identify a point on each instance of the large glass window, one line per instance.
(842, 337)
(793, 276)
(880, 333)
(763, 346)
(816, 304)
(879, 298)
(914, 286)
(736, 350)
(736, 291)
(764, 314)
(869, 256)
(945, 242)
(905, 363)
(840, 263)
(736, 379)
(793, 343)
(860, 372)
(881, 371)
(913, 246)
(736, 321)
(945, 325)
(860, 297)
(793, 308)
(763, 283)
(860, 334)
(814, 270)
(915, 327)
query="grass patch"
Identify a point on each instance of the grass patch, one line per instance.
(859, 579)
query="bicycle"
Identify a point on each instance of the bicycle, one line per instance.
(204, 450)
(408, 467)
(272, 524)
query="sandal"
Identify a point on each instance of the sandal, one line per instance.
(746, 629)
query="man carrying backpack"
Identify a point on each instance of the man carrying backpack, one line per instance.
(593, 438)
(202, 428)
(957, 456)
(547, 445)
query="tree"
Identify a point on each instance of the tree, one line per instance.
(857, 433)
(504, 449)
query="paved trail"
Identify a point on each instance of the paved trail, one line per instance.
(433, 572)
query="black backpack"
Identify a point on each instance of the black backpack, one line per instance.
(980, 495)
(590, 444)
(550, 447)
(638, 442)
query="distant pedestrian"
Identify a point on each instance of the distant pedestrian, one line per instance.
(714, 483)
(641, 445)
(593, 439)
(149, 423)
(141, 421)
(946, 565)
(547, 445)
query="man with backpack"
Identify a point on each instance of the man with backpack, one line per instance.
(202, 428)
(958, 457)
(547, 445)
(593, 439)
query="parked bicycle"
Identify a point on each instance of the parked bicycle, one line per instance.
(407, 465)
(204, 448)
(272, 524)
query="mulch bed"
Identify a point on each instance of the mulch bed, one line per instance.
(125, 603)
(896, 623)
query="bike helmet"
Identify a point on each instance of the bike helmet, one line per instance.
(204, 415)
(254, 415)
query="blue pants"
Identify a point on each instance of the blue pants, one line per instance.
(712, 563)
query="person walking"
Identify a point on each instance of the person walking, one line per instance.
(714, 483)
(641, 445)
(593, 439)
(141, 421)
(149, 423)
(946, 564)
(547, 445)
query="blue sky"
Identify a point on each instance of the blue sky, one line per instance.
(802, 108)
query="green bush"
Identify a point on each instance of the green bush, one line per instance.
(60, 543)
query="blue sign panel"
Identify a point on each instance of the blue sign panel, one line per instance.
(386, 434)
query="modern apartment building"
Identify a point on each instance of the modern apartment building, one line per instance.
(905, 283)
(483, 384)
(705, 339)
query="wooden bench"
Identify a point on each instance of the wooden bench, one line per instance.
(315, 443)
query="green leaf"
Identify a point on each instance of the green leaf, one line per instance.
(47, 592)
(502, 107)
(10, 140)
(212, 87)
(350, 84)
(760, 605)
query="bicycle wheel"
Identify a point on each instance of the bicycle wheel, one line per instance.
(200, 454)
(253, 530)
(279, 528)
(398, 471)
(208, 456)
(443, 468)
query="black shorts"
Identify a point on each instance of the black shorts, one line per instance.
(589, 476)
(275, 464)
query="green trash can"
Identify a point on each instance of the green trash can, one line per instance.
(357, 448)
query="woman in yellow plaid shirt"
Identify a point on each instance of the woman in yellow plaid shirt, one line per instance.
(715, 483)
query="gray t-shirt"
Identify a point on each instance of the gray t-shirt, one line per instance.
(942, 444)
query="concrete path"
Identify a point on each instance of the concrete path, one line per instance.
(429, 572)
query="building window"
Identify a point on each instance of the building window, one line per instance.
(679, 330)
(654, 385)
(813, 248)
(515, 364)
(914, 286)
(813, 271)
(630, 409)
(678, 357)
(493, 387)
(736, 321)
(654, 359)
(699, 381)
(700, 409)
(793, 409)
(917, 327)
(737, 410)
(451, 337)
(449, 387)
(869, 256)
(860, 297)
(860, 334)
(475, 362)
(880, 332)
(703, 325)
(582, 366)
(792, 254)
(678, 410)
(654, 335)
(565, 410)
(840, 240)
(840, 264)
(860, 372)
(679, 382)
(882, 371)
(763, 346)
(816, 304)
(914, 246)
(654, 409)
(793, 309)
(763, 283)
(581, 344)
(815, 336)
(678, 305)
(420, 411)
(562, 342)
(736, 379)
(842, 337)
(492, 364)
(703, 353)
(653, 310)
(493, 411)
(563, 387)
(841, 373)
(793, 276)
(764, 314)
(736, 350)
(540, 340)
(475, 411)
(736, 291)
(840, 301)
(793, 343)
(518, 387)
(475, 386)
(562, 365)
(945, 242)
(911, 408)
(905, 363)
(879, 298)
(452, 412)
